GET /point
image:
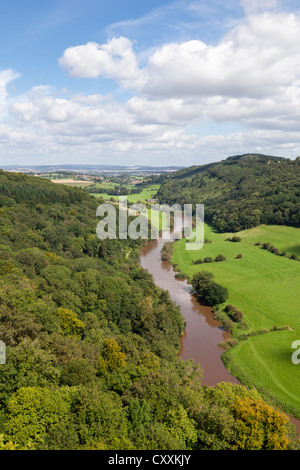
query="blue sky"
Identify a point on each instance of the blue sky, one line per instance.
(156, 82)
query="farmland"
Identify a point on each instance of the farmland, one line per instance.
(265, 288)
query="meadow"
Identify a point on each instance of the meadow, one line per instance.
(265, 288)
(148, 192)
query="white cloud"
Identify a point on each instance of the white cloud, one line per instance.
(254, 60)
(6, 76)
(185, 89)
(115, 59)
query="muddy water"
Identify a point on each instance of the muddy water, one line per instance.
(202, 333)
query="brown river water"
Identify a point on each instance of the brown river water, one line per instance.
(203, 332)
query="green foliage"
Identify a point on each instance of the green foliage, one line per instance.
(112, 357)
(70, 324)
(32, 411)
(240, 192)
(167, 251)
(207, 290)
(91, 342)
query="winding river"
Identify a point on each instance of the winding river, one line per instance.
(203, 332)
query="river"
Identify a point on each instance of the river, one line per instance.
(203, 332)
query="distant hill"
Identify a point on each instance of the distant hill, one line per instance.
(110, 169)
(240, 192)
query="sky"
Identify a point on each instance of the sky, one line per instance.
(157, 83)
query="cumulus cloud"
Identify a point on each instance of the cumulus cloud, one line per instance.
(115, 59)
(95, 121)
(6, 76)
(255, 59)
(185, 90)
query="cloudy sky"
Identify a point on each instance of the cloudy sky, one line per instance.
(148, 82)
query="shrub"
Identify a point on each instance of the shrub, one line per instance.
(233, 313)
(180, 275)
(167, 251)
(228, 307)
(220, 258)
(228, 343)
(274, 250)
(239, 256)
(234, 239)
(198, 261)
(208, 259)
(242, 337)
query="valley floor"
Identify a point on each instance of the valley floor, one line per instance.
(265, 288)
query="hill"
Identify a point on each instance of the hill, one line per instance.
(240, 192)
(92, 343)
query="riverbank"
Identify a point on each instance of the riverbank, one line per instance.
(264, 287)
(203, 333)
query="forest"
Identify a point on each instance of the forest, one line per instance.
(240, 192)
(92, 344)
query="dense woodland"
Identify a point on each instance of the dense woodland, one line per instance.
(240, 192)
(92, 343)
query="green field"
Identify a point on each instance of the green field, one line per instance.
(148, 192)
(265, 287)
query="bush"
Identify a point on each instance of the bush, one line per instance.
(234, 239)
(167, 251)
(198, 261)
(274, 250)
(228, 343)
(242, 337)
(208, 259)
(220, 258)
(239, 256)
(233, 313)
(180, 275)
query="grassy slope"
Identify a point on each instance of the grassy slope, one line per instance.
(148, 192)
(265, 287)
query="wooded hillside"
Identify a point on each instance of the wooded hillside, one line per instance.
(92, 343)
(240, 192)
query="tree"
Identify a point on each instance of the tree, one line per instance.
(260, 427)
(201, 279)
(208, 290)
(70, 323)
(180, 426)
(112, 357)
(215, 294)
(32, 411)
(78, 371)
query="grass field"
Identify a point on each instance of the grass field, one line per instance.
(72, 182)
(265, 287)
(148, 192)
